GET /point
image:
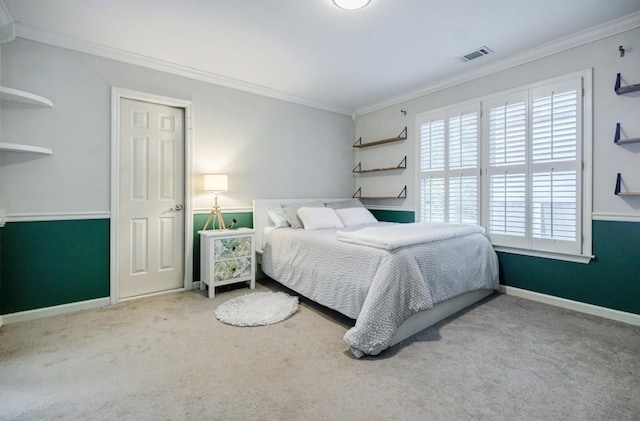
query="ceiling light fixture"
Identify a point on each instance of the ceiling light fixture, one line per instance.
(351, 4)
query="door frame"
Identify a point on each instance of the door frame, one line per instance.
(116, 95)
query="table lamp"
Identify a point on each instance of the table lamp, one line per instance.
(215, 183)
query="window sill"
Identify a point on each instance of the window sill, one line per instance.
(575, 258)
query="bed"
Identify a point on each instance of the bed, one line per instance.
(392, 292)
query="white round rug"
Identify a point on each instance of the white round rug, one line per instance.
(257, 309)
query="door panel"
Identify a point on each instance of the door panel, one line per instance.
(151, 225)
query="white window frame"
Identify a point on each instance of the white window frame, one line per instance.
(582, 249)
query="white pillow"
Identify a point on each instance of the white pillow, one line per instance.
(352, 217)
(291, 211)
(319, 218)
(276, 215)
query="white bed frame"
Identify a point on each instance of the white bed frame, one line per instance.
(414, 324)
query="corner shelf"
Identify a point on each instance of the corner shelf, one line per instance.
(401, 166)
(358, 195)
(15, 147)
(400, 137)
(15, 95)
(618, 141)
(623, 193)
(620, 90)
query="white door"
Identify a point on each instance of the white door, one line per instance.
(151, 216)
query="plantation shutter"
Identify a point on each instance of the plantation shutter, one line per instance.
(506, 178)
(431, 152)
(556, 159)
(463, 169)
(449, 169)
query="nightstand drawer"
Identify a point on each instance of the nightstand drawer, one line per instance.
(228, 248)
(233, 268)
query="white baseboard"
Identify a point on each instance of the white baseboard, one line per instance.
(23, 316)
(153, 294)
(195, 285)
(607, 313)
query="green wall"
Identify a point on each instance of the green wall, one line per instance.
(611, 280)
(44, 264)
(393, 215)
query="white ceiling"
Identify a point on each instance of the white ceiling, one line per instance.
(312, 50)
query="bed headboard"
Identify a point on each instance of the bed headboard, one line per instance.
(261, 220)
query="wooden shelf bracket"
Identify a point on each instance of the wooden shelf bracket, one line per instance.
(402, 195)
(618, 141)
(620, 90)
(621, 193)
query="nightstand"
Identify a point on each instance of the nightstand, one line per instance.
(227, 257)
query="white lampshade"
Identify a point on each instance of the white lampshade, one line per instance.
(215, 182)
(351, 4)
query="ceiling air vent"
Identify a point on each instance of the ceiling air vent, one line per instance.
(482, 51)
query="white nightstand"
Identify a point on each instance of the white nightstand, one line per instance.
(227, 257)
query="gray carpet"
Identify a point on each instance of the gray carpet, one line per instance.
(167, 357)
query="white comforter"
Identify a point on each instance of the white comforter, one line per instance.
(390, 237)
(379, 288)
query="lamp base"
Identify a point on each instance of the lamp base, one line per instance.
(215, 211)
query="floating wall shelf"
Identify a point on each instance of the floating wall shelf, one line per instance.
(15, 95)
(620, 90)
(15, 147)
(400, 137)
(618, 141)
(401, 166)
(623, 193)
(402, 195)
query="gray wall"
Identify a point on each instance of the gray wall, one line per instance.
(608, 108)
(269, 147)
(611, 279)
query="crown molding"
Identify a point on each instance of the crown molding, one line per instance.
(7, 28)
(39, 35)
(596, 33)
(5, 17)
(577, 39)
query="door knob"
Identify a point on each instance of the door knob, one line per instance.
(177, 208)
